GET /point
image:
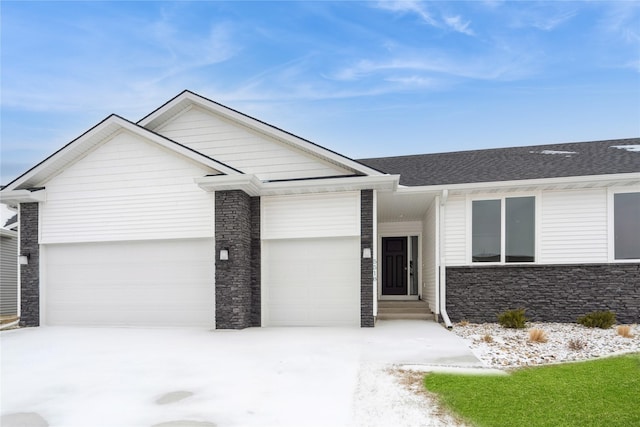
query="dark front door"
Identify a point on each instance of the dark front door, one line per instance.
(394, 266)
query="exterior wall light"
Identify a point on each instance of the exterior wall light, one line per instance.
(224, 254)
(366, 253)
(23, 259)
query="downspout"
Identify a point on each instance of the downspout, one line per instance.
(443, 265)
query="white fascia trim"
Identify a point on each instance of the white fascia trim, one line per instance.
(260, 127)
(587, 180)
(14, 197)
(104, 130)
(251, 185)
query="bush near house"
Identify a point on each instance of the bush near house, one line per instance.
(514, 319)
(598, 319)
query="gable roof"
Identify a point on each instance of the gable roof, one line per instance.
(86, 142)
(186, 98)
(515, 163)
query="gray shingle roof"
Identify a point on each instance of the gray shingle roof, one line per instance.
(11, 220)
(516, 163)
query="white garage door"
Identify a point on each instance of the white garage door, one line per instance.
(144, 283)
(312, 282)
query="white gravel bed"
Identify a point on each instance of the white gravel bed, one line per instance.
(504, 348)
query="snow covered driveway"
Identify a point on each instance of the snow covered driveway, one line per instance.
(162, 377)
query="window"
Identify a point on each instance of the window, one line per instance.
(626, 223)
(511, 217)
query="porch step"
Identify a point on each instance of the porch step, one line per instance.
(388, 310)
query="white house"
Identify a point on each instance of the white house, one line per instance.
(9, 268)
(200, 215)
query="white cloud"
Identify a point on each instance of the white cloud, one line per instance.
(418, 8)
(409, 7)
(455, 22)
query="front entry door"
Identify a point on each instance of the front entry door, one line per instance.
(394, 266)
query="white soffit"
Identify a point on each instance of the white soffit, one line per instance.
(102, 132)
(254, 187)
(187, 98)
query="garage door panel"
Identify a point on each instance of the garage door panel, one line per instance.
(144, 283)
(312, 282)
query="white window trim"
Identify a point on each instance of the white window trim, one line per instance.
(488, 196)
(611, 244)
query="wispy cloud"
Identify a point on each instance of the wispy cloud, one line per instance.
(419, 8)
(415, 7)
(456, 23)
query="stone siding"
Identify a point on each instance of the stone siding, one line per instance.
(233, 276)
(30, 273)
(256, 314)
(549, 293)
(366, 264)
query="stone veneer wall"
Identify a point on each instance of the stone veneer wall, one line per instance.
(549, 293)
(30, 273)
(233, 277)
(366, 264)
(256, 316)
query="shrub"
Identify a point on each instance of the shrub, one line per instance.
(514, 319)
(537, 335)
(598, 319)
(463, 323)
(624, 331)
(576, 344)
(487, 338)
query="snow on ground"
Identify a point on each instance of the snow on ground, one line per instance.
(198, 378)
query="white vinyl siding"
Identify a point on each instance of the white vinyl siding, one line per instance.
(127, 189)
(310, 215)
(144, 283)
(8, 275)
(242, 149)
(574, 227)
(311, 282)
(429, 269)
(456, 231)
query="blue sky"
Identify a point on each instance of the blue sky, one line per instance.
(366, 79)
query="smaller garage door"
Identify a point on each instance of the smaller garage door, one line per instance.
(312, 282)
(142, 283)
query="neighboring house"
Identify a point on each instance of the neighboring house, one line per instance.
(9, 268)
(201, 215)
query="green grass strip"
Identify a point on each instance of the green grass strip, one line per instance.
(603, 392)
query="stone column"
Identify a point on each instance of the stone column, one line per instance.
(30, 273)
(366, 264)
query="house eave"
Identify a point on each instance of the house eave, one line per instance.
(251, 185)
(108, 128)
(561, 183)
(185, 99)
(13, 198)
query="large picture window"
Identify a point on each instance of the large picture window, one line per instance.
(626, 223)
(511, 217)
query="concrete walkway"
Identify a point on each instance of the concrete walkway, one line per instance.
(416, 342)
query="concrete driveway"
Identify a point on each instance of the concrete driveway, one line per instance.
(62, 376)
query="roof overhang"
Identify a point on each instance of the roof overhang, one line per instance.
(15, 197)
(251, 185)
(108, 128)
(561, 183)
(187, 99)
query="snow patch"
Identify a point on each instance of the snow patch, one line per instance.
(557, 152)
(632, 148)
